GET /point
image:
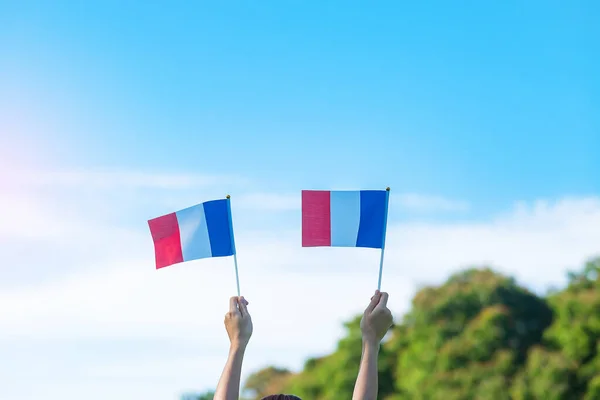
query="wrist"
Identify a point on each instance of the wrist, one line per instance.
(238, 346)
(370, 342)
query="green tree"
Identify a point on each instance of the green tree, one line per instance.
(478, 336)
(267, 381)
(575, 332)
(204, 396)
(332, 377)
(547, 375)
(467, 338)
(207, 396)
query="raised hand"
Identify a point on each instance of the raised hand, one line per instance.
(238, 322)
(239, 328)
(377, 318)
(375, 323)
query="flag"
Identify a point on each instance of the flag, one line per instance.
(344, 218)
(201, 231)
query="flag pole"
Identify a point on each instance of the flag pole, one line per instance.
(237, 276)
(387, 200)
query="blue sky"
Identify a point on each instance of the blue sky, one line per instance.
(476, 101)
(483, 118)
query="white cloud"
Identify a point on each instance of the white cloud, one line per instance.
(290, 288)
(105, 179)
(535, 242)
(269, 201)
(425, 203)
(23, 217)
(54, 205)
(410, 202)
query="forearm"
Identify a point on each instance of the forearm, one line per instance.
(367, 381)
(229, 384)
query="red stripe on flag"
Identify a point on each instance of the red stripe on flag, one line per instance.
(167, 242)
(316, 218)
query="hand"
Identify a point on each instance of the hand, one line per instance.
(377, 318)
(238, 322)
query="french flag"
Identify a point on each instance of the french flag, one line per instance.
(202, 231)
(344, 218)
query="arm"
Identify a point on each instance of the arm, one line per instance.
(376, 321)
(229, 384)
(367, 380)
(239, 328)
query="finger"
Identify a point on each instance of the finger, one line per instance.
(243, 307)
(233, 305)
(243, 299)
(376, 293)
(373, 303)
(383, 301)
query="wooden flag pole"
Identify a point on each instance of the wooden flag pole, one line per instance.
(387, 200)
(237, 276)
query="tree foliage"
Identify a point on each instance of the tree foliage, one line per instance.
(467, 338)
(204, 396)
(267, 381)
(478, 336)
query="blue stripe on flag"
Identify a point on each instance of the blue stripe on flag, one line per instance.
(372, 218)
(345, 218)
(193, 232)
(230, 218)
(217, 220)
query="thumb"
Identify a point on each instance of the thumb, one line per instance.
(243, 307)
(373, 303)
(383, 300)
(233, 305)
